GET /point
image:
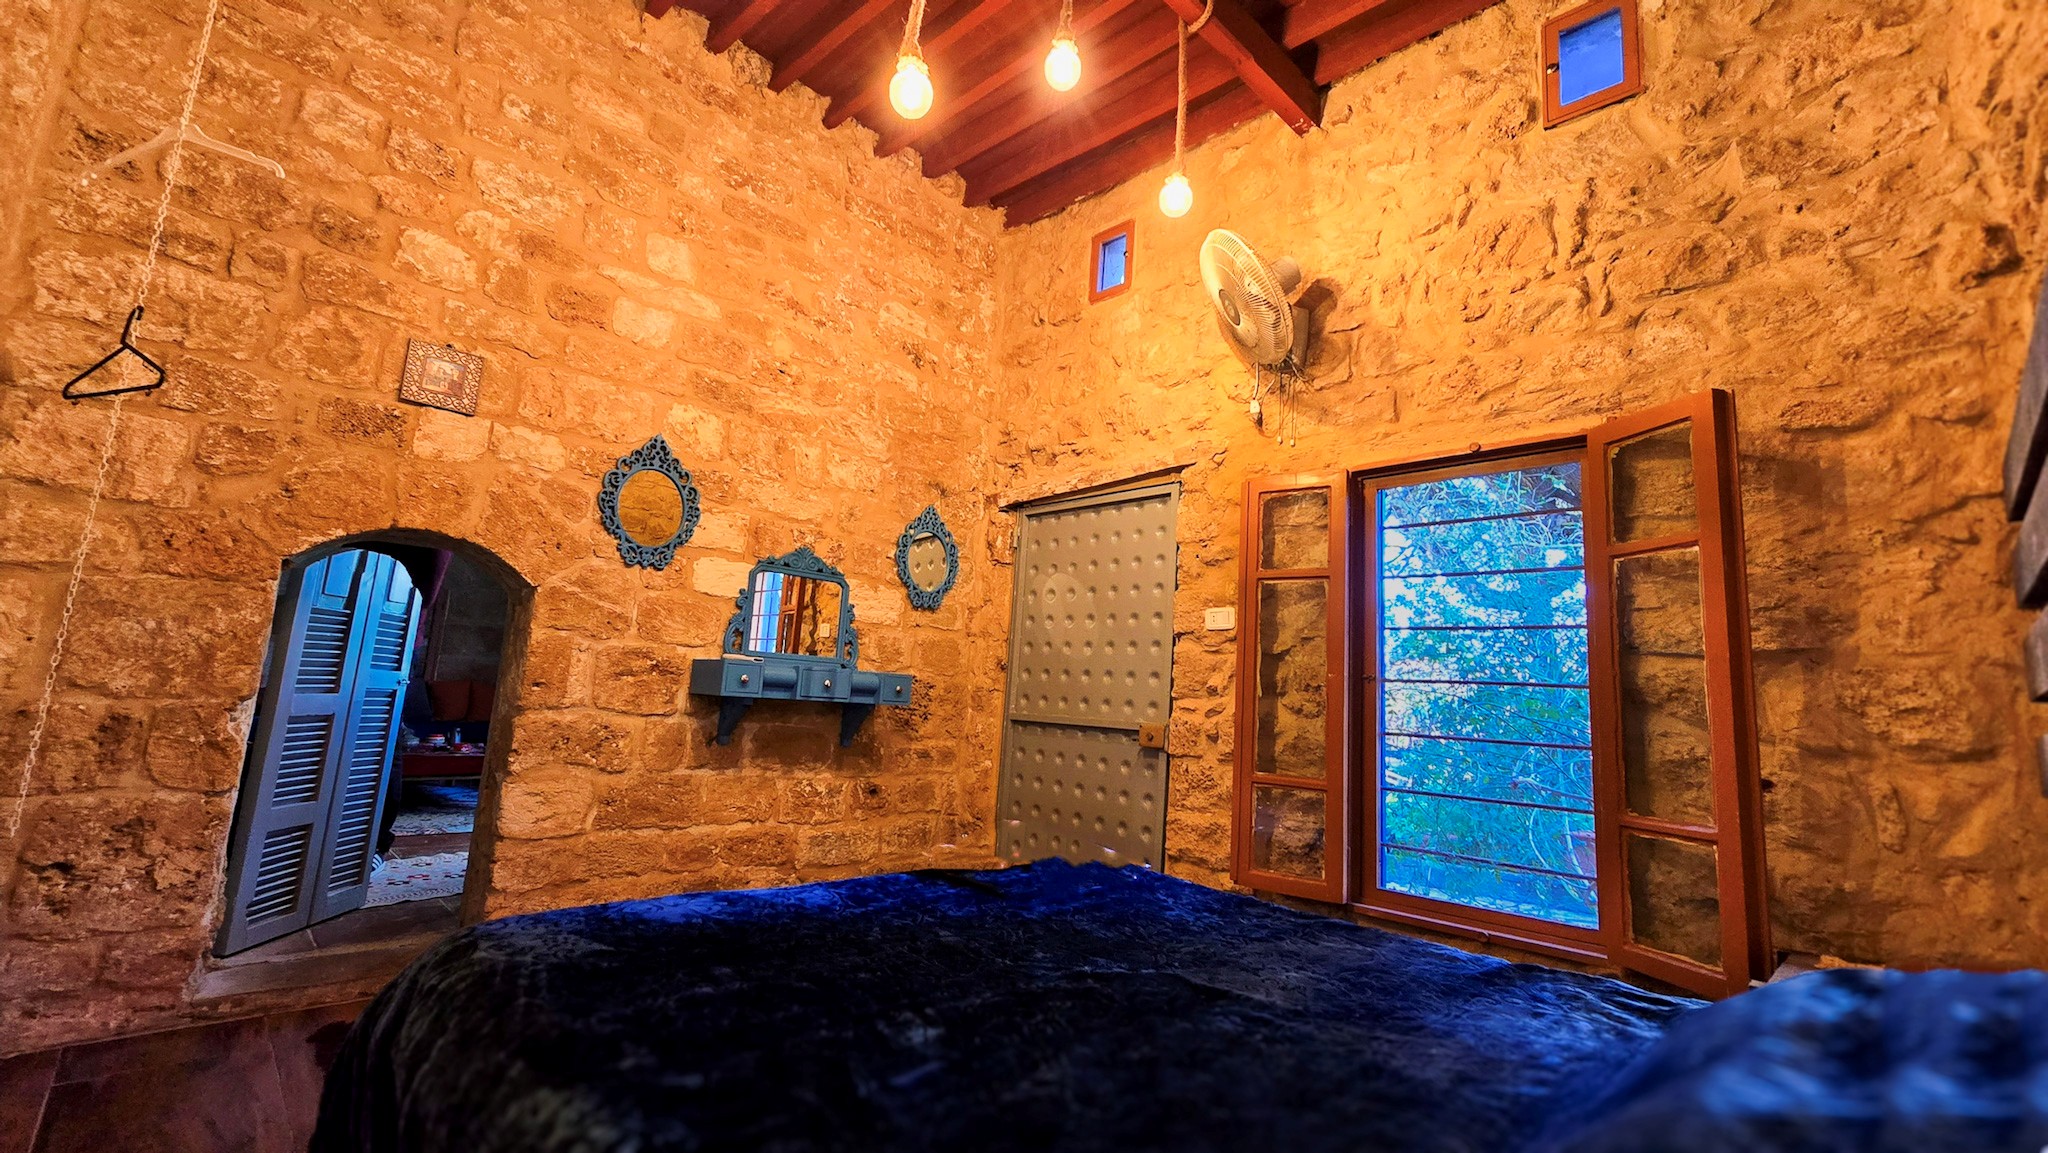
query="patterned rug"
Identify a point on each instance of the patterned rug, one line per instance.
(417, 878)
(427, 809)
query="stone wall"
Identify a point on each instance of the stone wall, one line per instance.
(1832, 209)
(638, 238)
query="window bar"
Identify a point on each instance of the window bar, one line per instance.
(1574, 510)
(1489, 741)
(1478, 572)
(1581, 686)
(1485, 862)
(1546, 807)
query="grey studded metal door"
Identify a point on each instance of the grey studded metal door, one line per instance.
(1091, 666)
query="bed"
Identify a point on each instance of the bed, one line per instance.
(1055, 1007)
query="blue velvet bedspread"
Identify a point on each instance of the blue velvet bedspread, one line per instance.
(1060, 1008)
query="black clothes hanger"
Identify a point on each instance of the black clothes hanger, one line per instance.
(126, 348)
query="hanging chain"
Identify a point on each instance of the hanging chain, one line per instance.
(911, 29)
(1066, 27)
(99, 484)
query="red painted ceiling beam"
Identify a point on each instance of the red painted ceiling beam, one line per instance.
(1310, 19)
(1118, 110)
(1266, 67)
(725, 33)
(1396, 27)
(660, 8)
(820, 50)
(1106, 63)
(949, 111)
(868, 95)
(1114, 164)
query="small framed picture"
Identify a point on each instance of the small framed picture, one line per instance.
(441, 376)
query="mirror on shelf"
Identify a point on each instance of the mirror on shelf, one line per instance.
(927, 560)
(649, 504)
(793, 615)
(794, 606)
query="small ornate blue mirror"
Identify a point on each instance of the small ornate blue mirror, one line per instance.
(649, 505)
(927, 560)
(794, 606)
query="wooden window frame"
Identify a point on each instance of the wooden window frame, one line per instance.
(1351, 832)
(1554, 111)
(1128, 229)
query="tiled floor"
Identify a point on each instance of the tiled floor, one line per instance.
(249, 1085)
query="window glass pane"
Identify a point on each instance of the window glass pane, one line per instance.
(1294, 529)
(1666, 747)
(1287, 832)
(1485, 781)
(1110, 262)
(1652, 481)
(1589, 57)
(1673, 902)
(1293, 676)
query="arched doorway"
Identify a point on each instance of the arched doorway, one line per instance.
(372, 751)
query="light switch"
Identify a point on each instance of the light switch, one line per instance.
(1219, 620)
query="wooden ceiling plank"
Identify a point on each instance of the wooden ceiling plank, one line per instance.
(906, 135)
(724, 34)
(1311, 19)
(1119, 161)
(1123, 110)
(797, 67)
(868, 95)
(1258, 58)
(1124, 54)
(1397, 28)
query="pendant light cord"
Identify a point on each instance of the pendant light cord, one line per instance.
(1066, 27)
(1180, 106)
(99, 484)
(912, 28)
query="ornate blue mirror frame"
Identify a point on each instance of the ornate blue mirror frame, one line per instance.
(654, 456)
(927, 524)
(802, 563)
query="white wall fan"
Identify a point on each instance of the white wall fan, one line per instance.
(1255, 309)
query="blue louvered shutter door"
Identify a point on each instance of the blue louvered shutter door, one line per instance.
(389, 612)
(300, 718)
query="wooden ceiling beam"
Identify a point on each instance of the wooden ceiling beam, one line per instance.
(660, 8)
(821, 49)
(1311, 19)
(1107, 62)
(1264, 65)
(949, 111)
(1117, 111)
(868, 95)
(725, 33)
(1399, 25)
(1115, 163)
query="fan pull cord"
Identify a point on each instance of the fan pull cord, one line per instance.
(99, 484)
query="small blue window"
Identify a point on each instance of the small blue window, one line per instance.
(1111, 262)
(1591, 58)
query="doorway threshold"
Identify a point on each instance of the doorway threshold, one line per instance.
(363, 949)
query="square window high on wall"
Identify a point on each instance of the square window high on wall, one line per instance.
(1109, 262)
(1591, 58)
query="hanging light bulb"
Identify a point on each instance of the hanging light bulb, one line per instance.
(910, 90)
(1063, 61)
(1176, 196)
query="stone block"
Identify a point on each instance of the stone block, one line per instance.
(336, 118)
(541, 802)
(525, 193)
(436, 260)
(648, 680)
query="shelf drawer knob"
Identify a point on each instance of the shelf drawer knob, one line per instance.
(744, 678)
(899, 690)
(828, 682)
